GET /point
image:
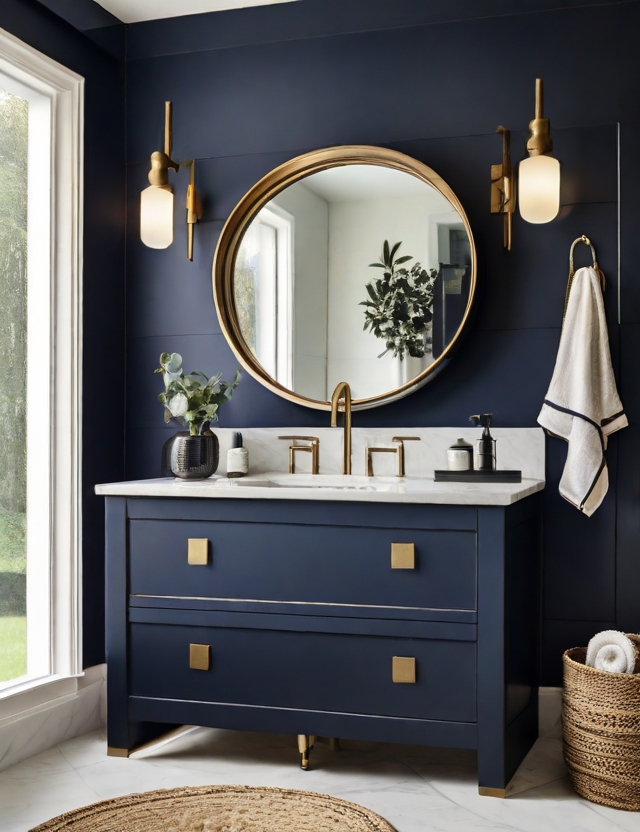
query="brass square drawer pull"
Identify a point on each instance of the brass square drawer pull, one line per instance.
(197, 551)
(403, 556)
(403, 670)
(199, 656)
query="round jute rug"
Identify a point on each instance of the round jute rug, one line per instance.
(220, 809)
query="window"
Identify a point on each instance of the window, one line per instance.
(40, 340)
(264, 291)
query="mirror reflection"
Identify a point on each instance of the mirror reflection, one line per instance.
(357, 273)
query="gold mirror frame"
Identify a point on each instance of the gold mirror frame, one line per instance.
(258, 196)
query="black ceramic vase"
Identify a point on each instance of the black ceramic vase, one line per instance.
(191, 457)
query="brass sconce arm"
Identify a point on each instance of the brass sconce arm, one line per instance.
(539, 141)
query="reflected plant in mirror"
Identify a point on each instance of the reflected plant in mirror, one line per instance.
(400, 305)
(192, 398)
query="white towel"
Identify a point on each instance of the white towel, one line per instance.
(582, 404)
(612, 651)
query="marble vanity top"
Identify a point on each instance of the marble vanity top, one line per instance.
(277, 486)
(517, 448)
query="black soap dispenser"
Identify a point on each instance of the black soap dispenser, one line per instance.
(485, 455)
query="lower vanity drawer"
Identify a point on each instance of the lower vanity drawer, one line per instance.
(305, 671)
(303, 563)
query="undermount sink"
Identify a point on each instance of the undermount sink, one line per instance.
(333, 482)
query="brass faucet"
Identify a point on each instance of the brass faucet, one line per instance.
(312, 449)
(343, 391)
(399, 450)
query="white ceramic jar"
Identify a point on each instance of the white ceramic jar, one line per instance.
(460, 456)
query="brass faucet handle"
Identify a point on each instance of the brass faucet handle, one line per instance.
(313, 449)
(311, 439)
(401, 440)
(372, 451)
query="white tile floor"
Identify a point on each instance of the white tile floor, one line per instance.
(416, 789)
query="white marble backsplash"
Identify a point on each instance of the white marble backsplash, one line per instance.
(521, 449)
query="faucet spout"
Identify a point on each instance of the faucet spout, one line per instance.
(343, 393)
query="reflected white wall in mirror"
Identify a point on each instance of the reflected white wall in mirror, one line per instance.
(302, 271)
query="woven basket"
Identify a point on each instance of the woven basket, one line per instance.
(601, 732)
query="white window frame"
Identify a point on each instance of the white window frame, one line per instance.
(59, 440)
(284, 224)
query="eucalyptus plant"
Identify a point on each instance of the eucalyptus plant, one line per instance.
(400, 303)
(192, 398)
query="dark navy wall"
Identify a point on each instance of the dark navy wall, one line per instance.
(254, 87)
(103, 287)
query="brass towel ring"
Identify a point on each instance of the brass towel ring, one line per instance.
(583, 239)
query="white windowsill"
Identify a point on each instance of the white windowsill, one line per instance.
(18, 699)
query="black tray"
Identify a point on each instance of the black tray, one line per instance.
(478, 476)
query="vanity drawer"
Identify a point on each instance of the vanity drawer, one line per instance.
(304, 563)
(305, 671)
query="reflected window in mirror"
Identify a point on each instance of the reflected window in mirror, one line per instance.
(264, 291)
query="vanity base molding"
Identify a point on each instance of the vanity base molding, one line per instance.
(298, 623)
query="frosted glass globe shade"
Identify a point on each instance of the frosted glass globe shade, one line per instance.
(156, 217)
(539, 188)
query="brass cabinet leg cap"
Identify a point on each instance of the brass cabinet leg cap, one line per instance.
(487, 792)
(117, 752)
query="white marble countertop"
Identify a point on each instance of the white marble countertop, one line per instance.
(278, 486)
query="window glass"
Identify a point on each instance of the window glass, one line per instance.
(14, 130)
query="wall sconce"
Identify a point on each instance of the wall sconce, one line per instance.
(156, 201)
(539, 175)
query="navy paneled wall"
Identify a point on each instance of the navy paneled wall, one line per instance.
(254, 87)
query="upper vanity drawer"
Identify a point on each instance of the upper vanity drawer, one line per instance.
(315, 564)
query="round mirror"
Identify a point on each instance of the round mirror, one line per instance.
(351, 264)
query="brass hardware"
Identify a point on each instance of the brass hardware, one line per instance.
(259, 195)
(117, 752)
(403, 670)
(334, 744)
(503, 188)
(485, 791)
(199, 656)
(158, 176)
(343, 392)
(401, 440)
(313, 449)
(403, 555)
(369, 456)
(194, 209)
(539, 141)
(399, 451)
(197, 551)
(305, 747)
(572, 270)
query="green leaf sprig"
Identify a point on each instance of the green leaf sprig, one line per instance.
(192, 398)
(400, 303)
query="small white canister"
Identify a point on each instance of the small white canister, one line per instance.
(460, 456)
(237, 462)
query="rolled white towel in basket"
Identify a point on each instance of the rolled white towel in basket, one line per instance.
(612, 651)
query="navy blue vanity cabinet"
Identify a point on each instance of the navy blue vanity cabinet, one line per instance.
(375, 621)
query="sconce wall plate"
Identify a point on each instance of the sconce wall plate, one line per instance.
(503, 187)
